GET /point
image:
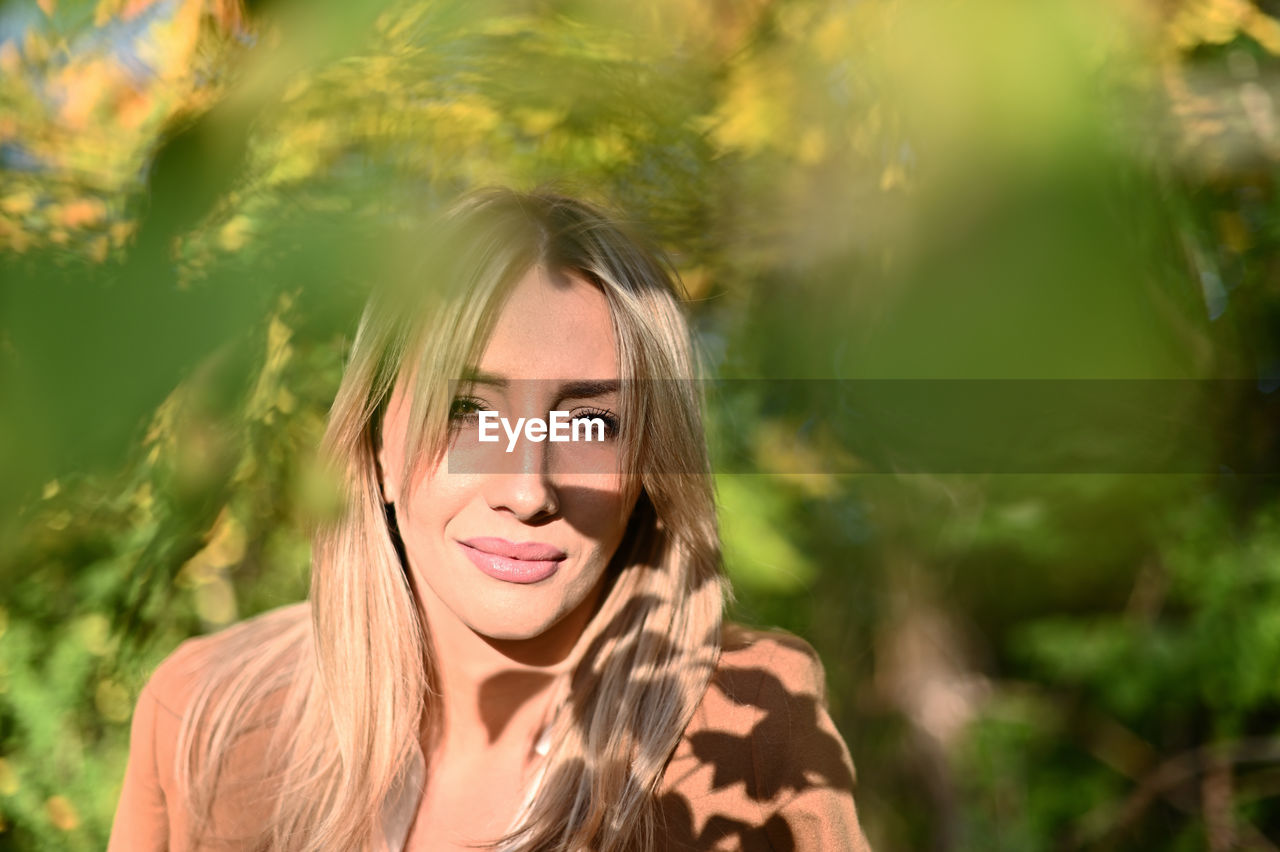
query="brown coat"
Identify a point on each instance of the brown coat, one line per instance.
(761, 766)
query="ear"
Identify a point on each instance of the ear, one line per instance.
(390, 449)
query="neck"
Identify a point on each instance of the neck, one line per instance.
(496, 693)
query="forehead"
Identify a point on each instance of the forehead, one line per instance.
(552, 326)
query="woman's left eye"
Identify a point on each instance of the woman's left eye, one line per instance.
(610, 420)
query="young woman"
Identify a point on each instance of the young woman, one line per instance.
(512, 644)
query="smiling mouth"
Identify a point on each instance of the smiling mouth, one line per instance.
(512, 562)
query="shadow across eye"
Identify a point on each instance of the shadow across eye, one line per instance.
(466, 409)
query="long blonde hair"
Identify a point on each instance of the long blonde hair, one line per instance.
(348, 692)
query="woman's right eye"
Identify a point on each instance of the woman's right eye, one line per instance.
(465, 408)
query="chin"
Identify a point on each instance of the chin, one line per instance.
(526, 642)
(516, 625)
(508, 633)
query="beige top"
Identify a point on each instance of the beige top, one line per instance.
(760, 767)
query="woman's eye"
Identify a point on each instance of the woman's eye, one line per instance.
(610, 420)
(465, 408)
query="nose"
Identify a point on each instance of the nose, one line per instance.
(524, 485)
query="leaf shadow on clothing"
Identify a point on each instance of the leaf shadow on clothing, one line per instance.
(786, 753)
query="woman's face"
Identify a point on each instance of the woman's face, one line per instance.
(518, 544)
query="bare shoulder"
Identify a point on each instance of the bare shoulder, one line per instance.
(246, 659)
(195, 665)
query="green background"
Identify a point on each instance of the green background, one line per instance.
(196, 197)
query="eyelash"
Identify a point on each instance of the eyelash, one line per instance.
(458, 416)
(611, 424)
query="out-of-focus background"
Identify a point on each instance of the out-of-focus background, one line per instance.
(197, 194)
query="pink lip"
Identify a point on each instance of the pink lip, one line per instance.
(514, 562)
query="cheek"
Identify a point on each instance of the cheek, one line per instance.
(433, 501)
(597, 510)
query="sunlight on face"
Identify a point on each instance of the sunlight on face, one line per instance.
(518, 550)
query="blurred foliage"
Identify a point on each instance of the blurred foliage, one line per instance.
(195, 196)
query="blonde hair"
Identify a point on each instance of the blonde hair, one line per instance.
(348, 692)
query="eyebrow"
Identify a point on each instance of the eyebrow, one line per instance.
(577, 389)
(477, 377)
(588, 388)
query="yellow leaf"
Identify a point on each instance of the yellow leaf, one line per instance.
(120, 233)
(234, 234)
(10, 59)
(35, 47)
(746, 119)
(112, 701)
(812, 146)
(226, 546)
(143, 500)
(133, 108)
(95, 633)
(892, 177)
(536, 122)
(62, 813)
(296, 89)
(82, 212)
(104, 11)
(216, 601)
(831, 38)
(8, 778)
(1265, 30)
(18, 204)
(14, 237)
